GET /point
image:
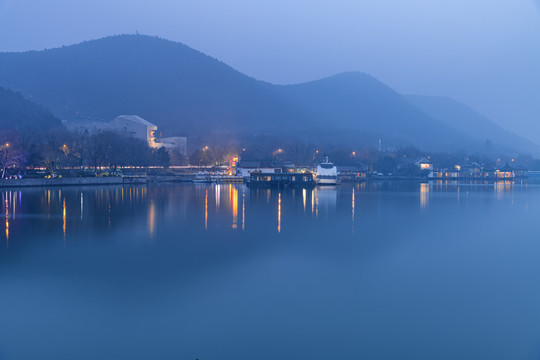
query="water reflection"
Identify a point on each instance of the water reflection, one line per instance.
(352, 209)
(279, 213)
(424, 195)
(100, 208)
(183, 259)
(64, 216)
(206, 210)
(6, 205)
(234, 201)
(152, 219)
(304, 195)
(501, 187)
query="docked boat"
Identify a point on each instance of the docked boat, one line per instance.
(202, 178)
(258, 179)
(326, 173)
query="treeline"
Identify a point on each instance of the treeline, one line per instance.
(306, 150)
(60, 150)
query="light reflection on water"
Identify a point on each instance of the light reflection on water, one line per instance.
(336, 272)
(319, 199)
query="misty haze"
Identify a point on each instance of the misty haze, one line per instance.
(273, 180)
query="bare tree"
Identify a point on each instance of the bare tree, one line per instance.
(11, 156)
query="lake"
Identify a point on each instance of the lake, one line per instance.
(382, 270)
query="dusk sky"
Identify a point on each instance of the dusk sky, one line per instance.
(485, 53)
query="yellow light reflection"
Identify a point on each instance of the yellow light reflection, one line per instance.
(243, 210)
(64, 219)
(7, 222)
(151, 219)
(316, 205)
(304, 194)
(234, 203)
(501, 187)
(279, 213)
(312, 201)
(206, 210)
(424, 195)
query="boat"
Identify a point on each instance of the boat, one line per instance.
(258, 179)
(202, 178)
(326, 173)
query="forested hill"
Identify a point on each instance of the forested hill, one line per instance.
(18, 113)
(185, 91)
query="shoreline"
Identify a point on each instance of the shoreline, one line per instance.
(144, 180)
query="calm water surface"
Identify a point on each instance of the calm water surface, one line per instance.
(372, 271)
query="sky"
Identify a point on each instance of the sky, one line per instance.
(485, 53)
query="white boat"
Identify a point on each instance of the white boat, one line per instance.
(326, 173)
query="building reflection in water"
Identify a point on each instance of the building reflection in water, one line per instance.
(352, 209)
(156, 205)
(325, 199)
(279, 213)
(82, 202)
(218, 196)
(501, 187)
(424, 195)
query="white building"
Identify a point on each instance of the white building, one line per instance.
(175, 143)
(136, 127)
(244, 169)
(133, 126)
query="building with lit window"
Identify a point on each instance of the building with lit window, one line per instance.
(423, 163)
(133, 126)
(136, 127)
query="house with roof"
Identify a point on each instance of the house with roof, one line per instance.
(423, 163)
(245, 168)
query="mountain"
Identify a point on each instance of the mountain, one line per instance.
(166, 83)
(357, 101)
(18, 113)
(466, 120)
(185, 91)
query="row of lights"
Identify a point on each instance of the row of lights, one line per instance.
(278, 151)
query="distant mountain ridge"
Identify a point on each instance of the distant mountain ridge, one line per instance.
(183, 90)
(470, 122)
